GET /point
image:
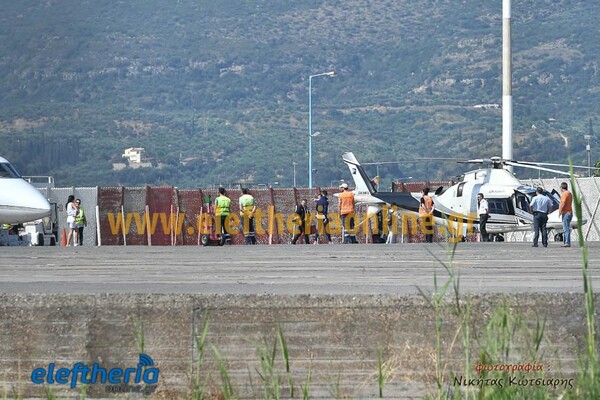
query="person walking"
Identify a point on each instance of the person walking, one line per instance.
(80, 221)
(322, 210)
(302, 212)
(565, 209)
(71, 209)
(222, 209)
(426, 209)
(540, 206)
(247, 209)
(392, 227)
(483, 210)
(347, 215)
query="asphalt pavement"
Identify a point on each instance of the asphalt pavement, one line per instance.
(300, 269)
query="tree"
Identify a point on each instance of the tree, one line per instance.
(597, 172)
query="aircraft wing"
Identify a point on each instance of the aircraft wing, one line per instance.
(404, 200)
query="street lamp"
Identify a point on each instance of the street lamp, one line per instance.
(294, 165)
(310, 134)
(589, 155)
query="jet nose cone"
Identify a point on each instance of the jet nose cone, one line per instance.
(38, 204)
(22, 202)
(41, 205)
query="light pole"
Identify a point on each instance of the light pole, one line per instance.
(294, 165)
(310, 134)
(589, 153)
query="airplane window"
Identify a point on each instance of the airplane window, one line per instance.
(459, 189)
(7, 171)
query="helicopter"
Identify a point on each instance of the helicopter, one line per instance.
(456, 206)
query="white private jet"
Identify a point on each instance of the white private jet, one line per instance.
(19, 200)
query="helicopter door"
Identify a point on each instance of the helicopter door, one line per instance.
(522, 207)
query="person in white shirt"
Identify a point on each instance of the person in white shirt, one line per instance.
(483, 210)
(71, 209)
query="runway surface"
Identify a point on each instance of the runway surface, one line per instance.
(295, 270)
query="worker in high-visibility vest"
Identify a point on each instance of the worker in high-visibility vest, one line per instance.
(347, 213)
(222, 210)
(426, 214)
(80, 221)
(247, 210)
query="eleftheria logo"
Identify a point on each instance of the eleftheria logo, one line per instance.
(80, 373)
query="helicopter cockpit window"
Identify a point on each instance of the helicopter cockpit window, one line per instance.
(498, 206)
(7, 171)
(459, 189)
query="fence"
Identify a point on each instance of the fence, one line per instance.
(165, 216)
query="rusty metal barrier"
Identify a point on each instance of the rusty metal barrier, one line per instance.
(165, 216)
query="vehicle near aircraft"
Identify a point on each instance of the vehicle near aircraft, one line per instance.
(20, 202)
(456, 206)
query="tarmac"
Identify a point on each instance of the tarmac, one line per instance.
(295, 270)
(338, 305)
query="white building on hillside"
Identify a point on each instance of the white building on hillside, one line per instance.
(134, 154)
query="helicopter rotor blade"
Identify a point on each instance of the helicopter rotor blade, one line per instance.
(411, 161)
(518, 164)
(475, 161)
(556, 165)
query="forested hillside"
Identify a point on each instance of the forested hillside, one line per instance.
(217, 91)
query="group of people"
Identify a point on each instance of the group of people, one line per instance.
(346, 209)
(247, 207)
(76, 221)
(540, 207)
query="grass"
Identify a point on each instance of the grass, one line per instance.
(306, 386)
(589, 362)
(227, 388)
(199, 385)
(506, 339)
(286, 359)
(383, 371)
(505, 336)
(271, 381)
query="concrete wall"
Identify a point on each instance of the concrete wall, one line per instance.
(336, 338)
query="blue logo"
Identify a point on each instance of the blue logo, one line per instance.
(145, 372)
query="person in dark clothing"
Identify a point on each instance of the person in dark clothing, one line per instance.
(303, 214)
(322, 209)
(377, 237)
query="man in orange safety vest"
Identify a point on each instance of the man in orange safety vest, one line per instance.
(347, 214)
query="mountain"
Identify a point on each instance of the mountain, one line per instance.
(217, 92)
